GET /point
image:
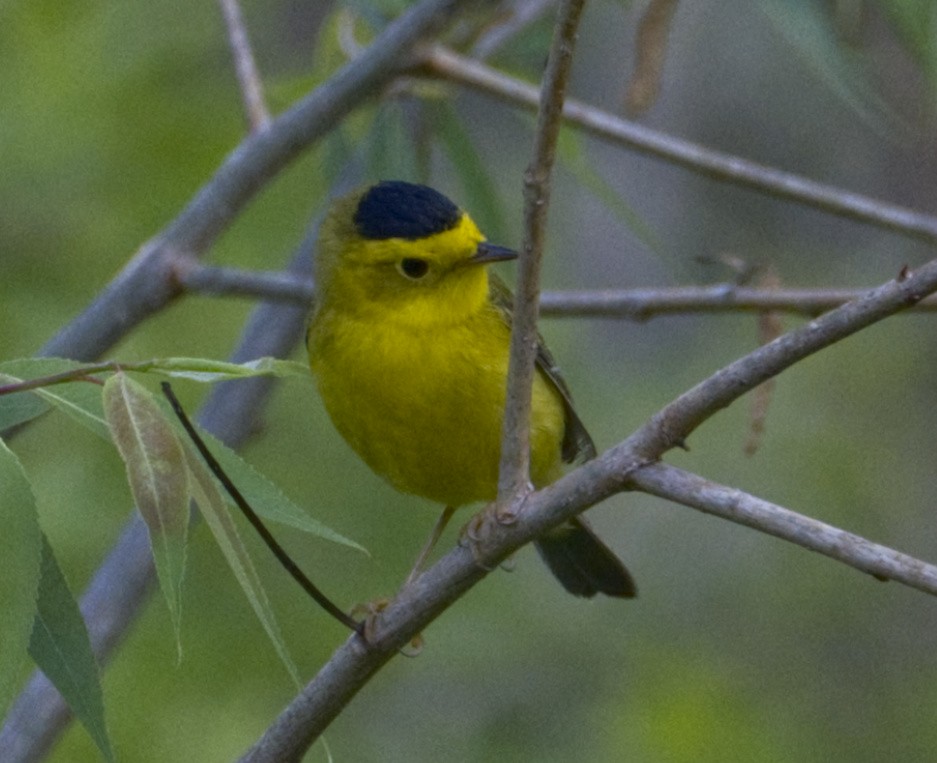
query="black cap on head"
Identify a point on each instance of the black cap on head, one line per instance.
(394, 209)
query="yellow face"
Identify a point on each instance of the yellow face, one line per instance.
(424, 280)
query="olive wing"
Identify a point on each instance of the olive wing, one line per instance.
(577, 444)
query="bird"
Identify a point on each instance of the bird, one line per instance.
(408, 341)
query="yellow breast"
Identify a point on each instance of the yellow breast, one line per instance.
(421, 401)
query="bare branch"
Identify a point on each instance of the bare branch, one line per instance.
(737, 506)
(671, 426)
(726, 168)
(514, 472)
(643, 304)
(631, 304)
(258, 116)
(213, 281)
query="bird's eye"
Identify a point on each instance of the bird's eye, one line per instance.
(413, 267)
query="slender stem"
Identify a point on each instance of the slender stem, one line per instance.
(884, 563)
(728, 168)
(256, 522)
(258, 116)
(522, 14)
(514, 473)
(72, 375)
(639, 304)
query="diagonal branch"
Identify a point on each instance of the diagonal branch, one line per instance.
(670, 427)
(737, 506)
(727, 168)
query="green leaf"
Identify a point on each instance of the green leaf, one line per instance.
(79, 400)
(60, 647)
(206, 370)
(20, 557)
(266, 498)
(19, 407)
(216, 515)
(159, 480)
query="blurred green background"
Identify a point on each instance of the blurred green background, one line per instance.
(740, 647)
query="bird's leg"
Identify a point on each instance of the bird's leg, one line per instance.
(430, 543)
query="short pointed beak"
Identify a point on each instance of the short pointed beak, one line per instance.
(491, 253)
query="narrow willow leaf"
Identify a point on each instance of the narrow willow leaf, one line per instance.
(23, 406)
(266, 498)
(60, 647)
(215, 512)
(158, 478)
(19, 407)
(20, 557)
(79, 400)
(205, 370)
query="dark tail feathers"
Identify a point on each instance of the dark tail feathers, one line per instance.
(584, 565)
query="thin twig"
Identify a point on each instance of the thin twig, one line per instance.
(440, 62)
(514, 472)
(639, 304)
(255, 108)
(884, 563)
(285, 560)
(644, 304)
(214, 281)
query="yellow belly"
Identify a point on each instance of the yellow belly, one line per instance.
(425, 410)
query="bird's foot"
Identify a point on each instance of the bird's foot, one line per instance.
(370, 612)
(478, 529)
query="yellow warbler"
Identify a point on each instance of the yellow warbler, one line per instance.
(409, 343)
